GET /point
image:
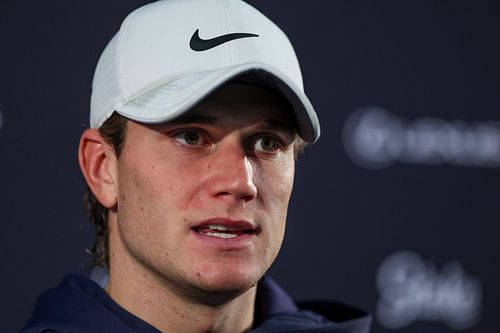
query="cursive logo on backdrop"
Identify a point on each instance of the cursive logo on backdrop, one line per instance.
(411, 290)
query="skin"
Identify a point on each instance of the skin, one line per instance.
(231, 158)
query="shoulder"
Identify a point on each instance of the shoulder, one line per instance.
(277, 312)
(78, 304)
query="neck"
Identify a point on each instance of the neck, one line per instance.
(156, 301)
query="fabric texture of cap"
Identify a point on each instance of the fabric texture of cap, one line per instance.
(170, 54)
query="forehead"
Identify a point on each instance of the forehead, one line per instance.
(241, 103)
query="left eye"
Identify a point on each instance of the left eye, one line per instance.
(190, 138)
(267, 143)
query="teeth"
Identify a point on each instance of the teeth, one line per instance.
(218, 227)
(220, 234)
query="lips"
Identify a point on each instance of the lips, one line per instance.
(225, 228)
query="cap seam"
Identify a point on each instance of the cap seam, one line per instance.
(156, 85)
(159, 83)
(194, 95)
(122, 40)
(226, 21)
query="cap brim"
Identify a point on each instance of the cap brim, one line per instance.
(175, 97)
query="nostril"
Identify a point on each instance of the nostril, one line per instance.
(248, 197)
(230, 174)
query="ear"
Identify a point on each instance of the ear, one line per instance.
(98, 164)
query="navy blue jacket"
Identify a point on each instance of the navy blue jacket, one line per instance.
(80, 305)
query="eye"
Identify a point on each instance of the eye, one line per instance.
(267, 143)
(189, 137)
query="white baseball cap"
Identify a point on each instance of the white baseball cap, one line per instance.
(169, 55)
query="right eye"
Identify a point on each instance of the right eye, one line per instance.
(190, 138)
(267, 144)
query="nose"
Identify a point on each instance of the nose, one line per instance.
(231, 175)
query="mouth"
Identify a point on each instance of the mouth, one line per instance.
(225, 229)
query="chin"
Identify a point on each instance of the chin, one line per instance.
(235, 280)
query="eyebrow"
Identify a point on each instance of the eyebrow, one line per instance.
(267, 124)
(194, 118)
(277, 124)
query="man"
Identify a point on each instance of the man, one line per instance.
(197, 115)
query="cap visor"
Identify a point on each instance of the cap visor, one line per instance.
(175, 97)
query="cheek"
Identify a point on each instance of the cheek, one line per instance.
(146, 210)
(139, 183)
(142, 188)
(276, 183)
(159, 184)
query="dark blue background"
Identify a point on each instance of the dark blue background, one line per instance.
(416, 58)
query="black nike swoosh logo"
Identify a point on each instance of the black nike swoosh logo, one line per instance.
(198, 44)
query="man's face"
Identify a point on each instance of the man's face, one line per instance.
(202, 200)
